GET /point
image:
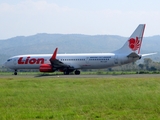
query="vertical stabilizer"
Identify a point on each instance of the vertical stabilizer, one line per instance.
(134, 42)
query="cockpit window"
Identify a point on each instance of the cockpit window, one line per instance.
(9, 60)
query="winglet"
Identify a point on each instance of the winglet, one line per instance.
(54, 54)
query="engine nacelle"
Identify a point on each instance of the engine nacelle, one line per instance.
(46, 68)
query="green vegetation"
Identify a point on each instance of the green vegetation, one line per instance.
(79, 98)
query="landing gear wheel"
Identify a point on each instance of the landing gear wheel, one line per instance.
(77, 72)
(15, 72)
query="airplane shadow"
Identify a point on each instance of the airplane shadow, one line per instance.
(47, 74)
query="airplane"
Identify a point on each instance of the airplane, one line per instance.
(67, 63)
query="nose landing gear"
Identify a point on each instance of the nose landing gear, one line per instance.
(15, 72)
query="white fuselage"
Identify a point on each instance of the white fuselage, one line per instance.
(67, 63)
(77, 61)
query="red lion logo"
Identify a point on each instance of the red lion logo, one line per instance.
(134, 44)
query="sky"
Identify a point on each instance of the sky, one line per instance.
(90, 17)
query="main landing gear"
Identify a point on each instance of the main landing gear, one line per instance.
(15, 72)
(77, 72)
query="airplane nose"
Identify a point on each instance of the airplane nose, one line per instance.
(5, 64)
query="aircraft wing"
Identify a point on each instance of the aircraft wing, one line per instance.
(56, 64)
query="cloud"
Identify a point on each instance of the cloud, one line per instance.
(31, 17)
(29, 6)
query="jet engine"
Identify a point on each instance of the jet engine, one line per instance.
(46, 68)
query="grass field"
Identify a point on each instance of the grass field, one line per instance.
(79, 98)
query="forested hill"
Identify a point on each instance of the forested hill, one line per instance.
(70, 43)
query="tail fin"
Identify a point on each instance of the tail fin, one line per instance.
(134, 42)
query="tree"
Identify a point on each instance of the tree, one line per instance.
(147, 62)
(141, 66)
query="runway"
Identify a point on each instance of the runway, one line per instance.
(109, 76)
(82, 76)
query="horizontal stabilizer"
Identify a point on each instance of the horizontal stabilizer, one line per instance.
(148, 54)
(133, 55)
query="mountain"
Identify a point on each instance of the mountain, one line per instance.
(70, 43)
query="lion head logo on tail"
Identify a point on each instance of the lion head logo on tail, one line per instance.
(134, 44)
